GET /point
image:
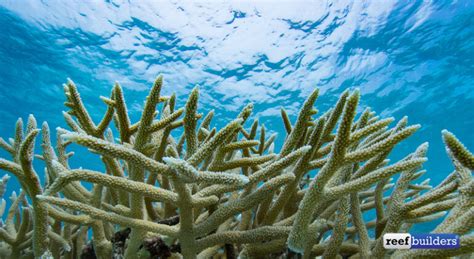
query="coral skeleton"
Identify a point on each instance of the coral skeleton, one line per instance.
(173, 187)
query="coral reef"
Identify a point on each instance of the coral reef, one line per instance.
(174, 187)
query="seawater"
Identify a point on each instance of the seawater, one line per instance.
(411, 58)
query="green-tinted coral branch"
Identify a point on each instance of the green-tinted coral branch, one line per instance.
(458, 150)
(337, 236)
(300, 124)
(190, 123)
(260, 234)
(123, 184)
(298, 235)
(118, 151)
(190, 174)
(242, 204)
(111, 217)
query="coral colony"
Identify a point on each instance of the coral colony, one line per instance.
(224, 192)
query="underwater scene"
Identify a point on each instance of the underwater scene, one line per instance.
(236, 129)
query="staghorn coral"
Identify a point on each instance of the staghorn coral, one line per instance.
(215, 193)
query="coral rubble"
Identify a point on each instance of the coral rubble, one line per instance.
(225, 192)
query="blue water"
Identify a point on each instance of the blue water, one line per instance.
(410, 58)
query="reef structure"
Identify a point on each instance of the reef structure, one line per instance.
(225, 193)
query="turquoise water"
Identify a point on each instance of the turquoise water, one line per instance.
(408, 58)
